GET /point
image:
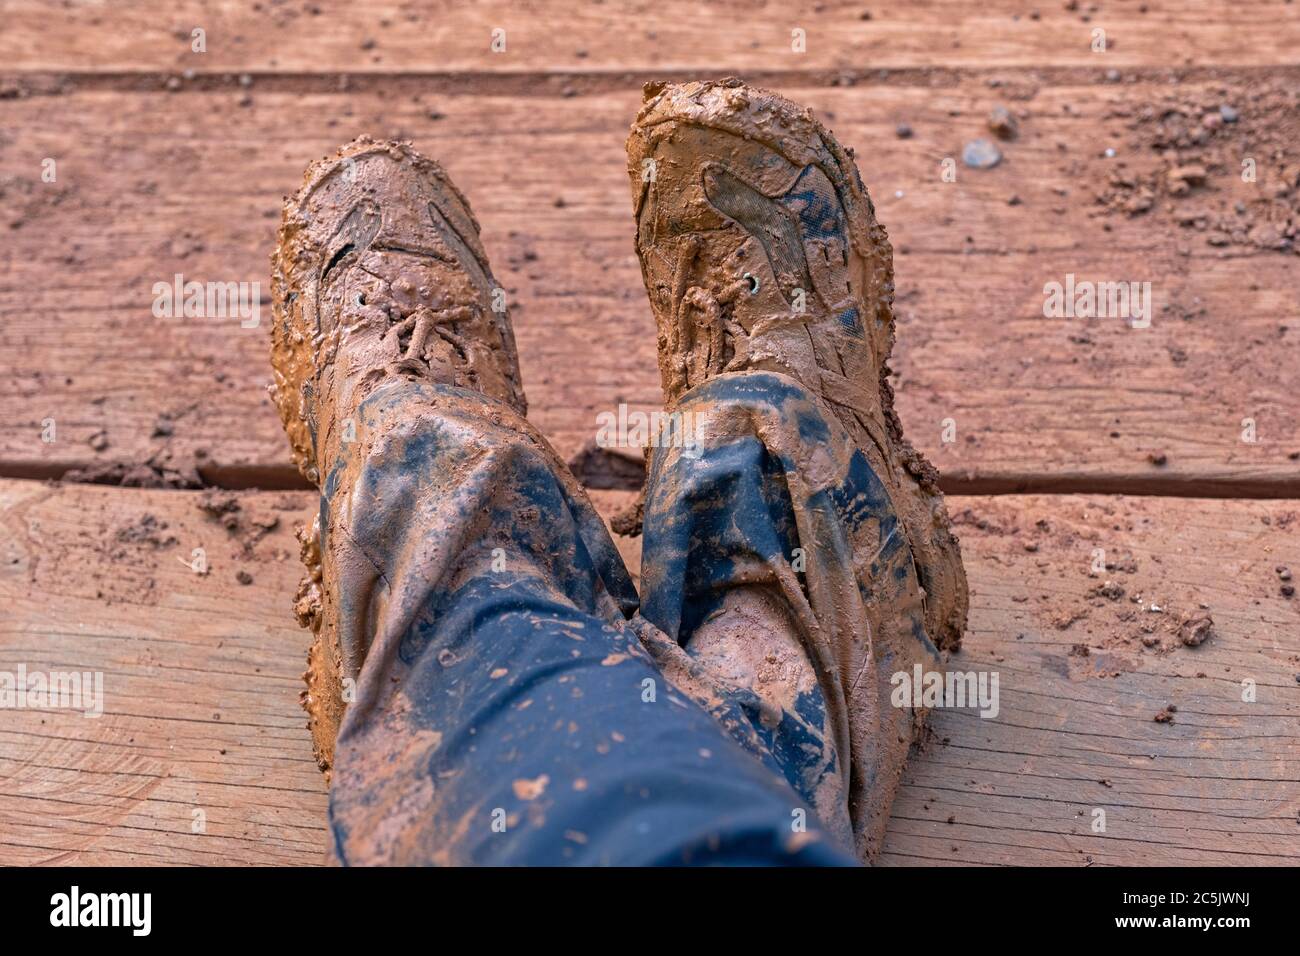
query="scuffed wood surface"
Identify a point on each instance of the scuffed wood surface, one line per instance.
(202, 674)
(151, 186)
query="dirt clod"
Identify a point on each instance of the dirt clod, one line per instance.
(1003, 123)
(147, 530)
(1195, 630)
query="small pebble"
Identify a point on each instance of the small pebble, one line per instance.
(981, 154)
(1003, 124)
(903, 131)
(1228, 114)
(243, 577)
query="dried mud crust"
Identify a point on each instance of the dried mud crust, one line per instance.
(378, 274)
(721, 296)
(1119, 608)
(322, 698)
(325, 227)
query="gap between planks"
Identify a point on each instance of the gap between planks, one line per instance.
(565, 84)
(1227, 485)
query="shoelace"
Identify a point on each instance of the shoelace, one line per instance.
(425, 321)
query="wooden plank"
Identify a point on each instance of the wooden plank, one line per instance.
(150, 186)
(89, 590)
(1220, 784)
(201, 756)
(382, 37)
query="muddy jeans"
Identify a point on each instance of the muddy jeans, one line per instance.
(517, 704)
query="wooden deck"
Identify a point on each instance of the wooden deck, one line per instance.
(1072, 434)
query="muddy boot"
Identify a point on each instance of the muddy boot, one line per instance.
(378, 277)
(772, 286)
(471, 610)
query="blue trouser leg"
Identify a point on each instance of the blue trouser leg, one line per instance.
(770, 543)
(510, 705)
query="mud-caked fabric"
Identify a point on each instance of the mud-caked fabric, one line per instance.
(756, 487)
(504, 708)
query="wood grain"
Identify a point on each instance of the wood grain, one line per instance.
(201, 682)
(151, 185)
(200, 685)
(1217, 785)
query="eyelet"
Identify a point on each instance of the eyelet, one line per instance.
(360, 299)
(754, 284)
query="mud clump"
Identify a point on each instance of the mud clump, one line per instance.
(307, 602)
(1003, 123)
(148, 531)
(248, 527)
(221, 506)
(1196, 630)
(1110, 590)
(158, 471)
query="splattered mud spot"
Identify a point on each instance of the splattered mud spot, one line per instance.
(797, 841)
(531, 789)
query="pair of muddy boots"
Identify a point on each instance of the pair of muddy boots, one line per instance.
(767, 272)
